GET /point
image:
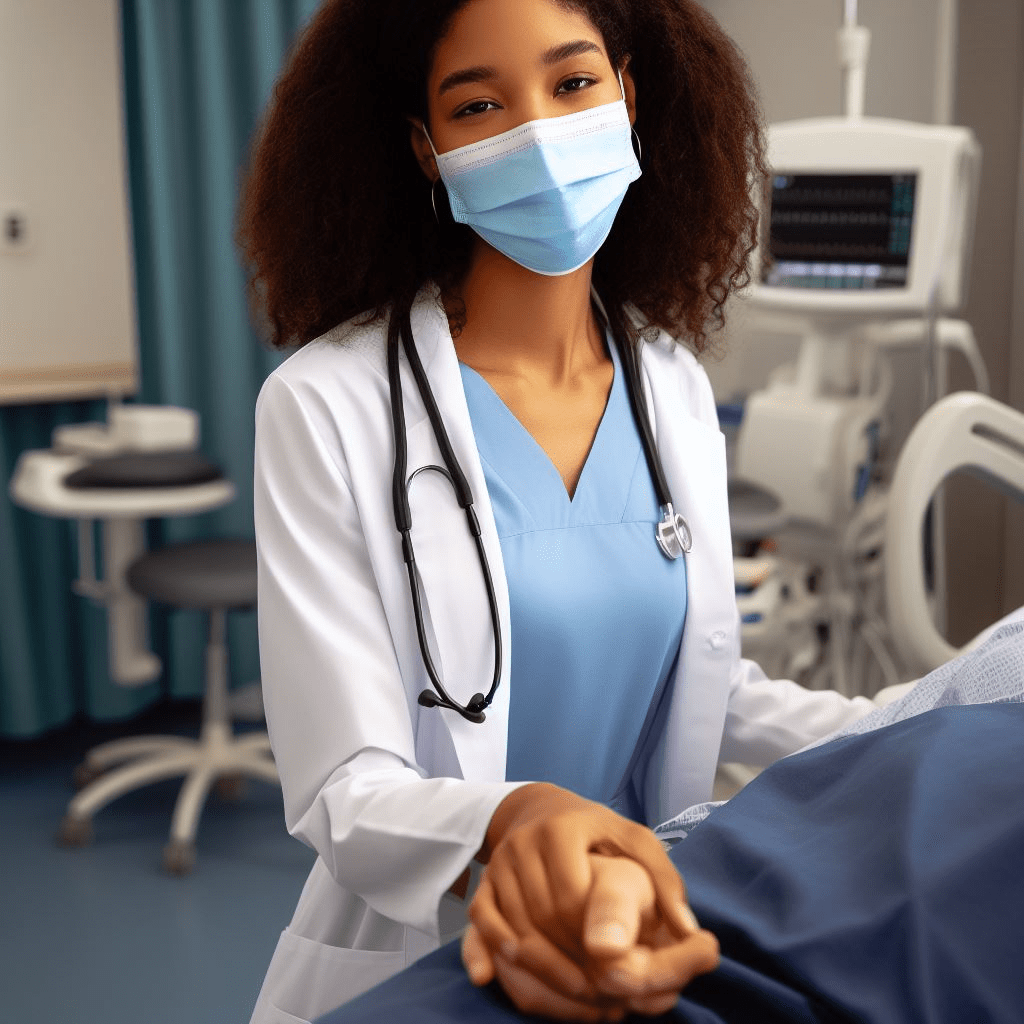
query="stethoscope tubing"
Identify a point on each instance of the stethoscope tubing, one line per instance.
(673, 533)
(401, 332)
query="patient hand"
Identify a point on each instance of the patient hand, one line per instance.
(623, 957)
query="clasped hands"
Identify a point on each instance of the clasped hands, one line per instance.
(580, 915)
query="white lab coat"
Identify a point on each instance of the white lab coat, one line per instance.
(396, 798)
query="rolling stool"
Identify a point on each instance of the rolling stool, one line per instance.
(216, 576)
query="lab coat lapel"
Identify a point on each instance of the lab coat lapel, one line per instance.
(456, 606)
(693, 455)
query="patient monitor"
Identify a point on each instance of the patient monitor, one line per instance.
(865, 220)
(867, 217)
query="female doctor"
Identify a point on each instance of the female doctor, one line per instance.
(496, 605)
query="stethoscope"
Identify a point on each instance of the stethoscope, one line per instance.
(672, 532)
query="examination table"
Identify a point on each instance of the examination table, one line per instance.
(876, 878)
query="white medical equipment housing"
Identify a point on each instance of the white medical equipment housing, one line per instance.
(866, 218)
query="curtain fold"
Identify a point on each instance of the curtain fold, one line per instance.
(197, 74)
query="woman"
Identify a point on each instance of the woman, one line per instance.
(434, 210)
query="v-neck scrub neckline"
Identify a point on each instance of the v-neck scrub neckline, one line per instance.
(597, 611)
(533, 472)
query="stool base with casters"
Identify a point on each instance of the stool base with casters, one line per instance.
(216, 576)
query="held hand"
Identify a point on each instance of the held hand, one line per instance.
(539, 873)
(528, 914)
(632, 954)
(632, 964)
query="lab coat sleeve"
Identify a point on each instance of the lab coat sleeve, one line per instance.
(338, 713)
(770, 718)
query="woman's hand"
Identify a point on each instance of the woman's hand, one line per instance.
(529, 913)
(633, 963)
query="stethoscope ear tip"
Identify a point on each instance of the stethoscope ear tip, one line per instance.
(475, 709)
(472, 712)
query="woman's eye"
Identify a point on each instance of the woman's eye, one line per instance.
(479, 107)
(575, 84)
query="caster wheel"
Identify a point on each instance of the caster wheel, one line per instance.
(179, 857)
(84, 774)
(74, 831)
(230, 788)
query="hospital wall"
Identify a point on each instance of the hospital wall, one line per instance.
(931, 60)
(990, 99)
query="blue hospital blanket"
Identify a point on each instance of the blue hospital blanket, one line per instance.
(875, 878)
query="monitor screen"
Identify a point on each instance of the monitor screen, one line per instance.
(847, 231)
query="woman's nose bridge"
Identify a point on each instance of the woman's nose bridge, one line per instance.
(535, 104)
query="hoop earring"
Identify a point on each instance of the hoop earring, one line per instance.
(638, 149)
(433, 200)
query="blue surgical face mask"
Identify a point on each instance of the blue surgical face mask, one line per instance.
(545, 194)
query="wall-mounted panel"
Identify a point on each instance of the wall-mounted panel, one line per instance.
(67, 318)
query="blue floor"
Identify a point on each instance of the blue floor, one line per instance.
(101, 933)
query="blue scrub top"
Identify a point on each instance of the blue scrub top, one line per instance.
(597, 610)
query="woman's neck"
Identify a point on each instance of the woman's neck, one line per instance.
(527, 325)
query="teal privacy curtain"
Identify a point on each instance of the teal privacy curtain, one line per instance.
(197, 73)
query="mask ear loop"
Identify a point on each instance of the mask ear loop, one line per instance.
(433, 184)
(433, 200)
(639, 151)
(430, 141)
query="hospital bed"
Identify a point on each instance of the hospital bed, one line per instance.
(967, 433)
(874, 877)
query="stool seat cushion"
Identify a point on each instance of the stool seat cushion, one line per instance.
(145, 469)
(206, 574)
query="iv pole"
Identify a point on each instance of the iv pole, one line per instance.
(854, 47)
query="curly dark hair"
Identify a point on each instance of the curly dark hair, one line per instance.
(336, 220)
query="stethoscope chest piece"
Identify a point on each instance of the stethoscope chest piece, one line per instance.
(674, 536)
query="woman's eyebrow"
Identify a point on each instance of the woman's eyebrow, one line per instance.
(456, 78)
(565, 50)
(482, 72)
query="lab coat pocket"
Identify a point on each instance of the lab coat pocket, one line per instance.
(308, 979)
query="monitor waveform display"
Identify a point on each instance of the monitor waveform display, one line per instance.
(847, 231)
